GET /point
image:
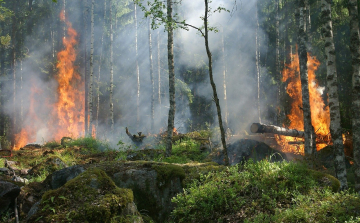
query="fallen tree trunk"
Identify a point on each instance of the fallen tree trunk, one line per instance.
(262, 128)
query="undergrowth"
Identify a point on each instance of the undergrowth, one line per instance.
(265, 192)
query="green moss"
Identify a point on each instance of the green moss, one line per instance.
(326, 180)
(90, 197)
(166, 172)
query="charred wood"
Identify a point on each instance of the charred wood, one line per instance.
(262, 128)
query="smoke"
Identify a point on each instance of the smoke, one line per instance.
(237, 30)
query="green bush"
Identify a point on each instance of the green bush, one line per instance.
(91, 145)
(263, 192)
(187, 150)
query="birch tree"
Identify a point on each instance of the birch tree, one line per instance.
(355, 108)
(302, 42)
(332, 88)
(257, 62)
(137, 70)
(100, 63)
(91, 70)
(151, 77)
(111, 71)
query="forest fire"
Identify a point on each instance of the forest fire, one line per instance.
(70, 106)
(320, 115)
(67, 116)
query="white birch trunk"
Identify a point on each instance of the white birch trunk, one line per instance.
(332, 88)
(90, 99)
(302, 41)
(111, 72)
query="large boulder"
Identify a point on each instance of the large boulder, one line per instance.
(153, 184)
(90, 197)
(8, 193)
(60, 177)
(245, 149)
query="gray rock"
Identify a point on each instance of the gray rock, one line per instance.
(8, 193)
(33, 209)
(60, 177)
(151, 194)
(244, 149)
(5, 171)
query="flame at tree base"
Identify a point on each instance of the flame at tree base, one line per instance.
(67, 114)
(320, 115)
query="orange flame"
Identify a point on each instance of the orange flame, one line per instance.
(70, 106)
(66, 118)
(27, 133)
(320, 115)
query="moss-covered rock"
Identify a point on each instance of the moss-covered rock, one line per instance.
(90, 197)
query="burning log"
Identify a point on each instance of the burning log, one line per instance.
(137, 139)
(261, 128)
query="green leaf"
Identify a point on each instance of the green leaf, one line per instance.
(52, 199)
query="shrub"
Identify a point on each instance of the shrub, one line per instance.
(263, 192)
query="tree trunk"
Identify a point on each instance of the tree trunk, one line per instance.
(355, 108)
(100, 63)
(308, 23)
(91, 70)
(159, 73)
(86, 69)
(151, 78)
(277, 64)
(262, 128)
(137, 70)
(171, 116)
(111, 72)
(257, 63)
(224, 79)
(332, 88)
(302, 41)
(13, 66)
(216, 99)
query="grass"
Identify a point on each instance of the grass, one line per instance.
(265, 192)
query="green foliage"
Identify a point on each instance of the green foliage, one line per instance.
(52, 144)
(5, 40)
(184, 151)
(263, 191)
(183, 89)
(90, 144)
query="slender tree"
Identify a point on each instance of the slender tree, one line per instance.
(137, 69)
(90, 97)
(86, 79)
(277, 61)
(216, 99)
(100, 63)
(257, 61)
(302, 42)
(171, 116)
(159, 72)
(224, 78)
(355, 107)
(151, 77)
(111, 71)
(332, 88)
